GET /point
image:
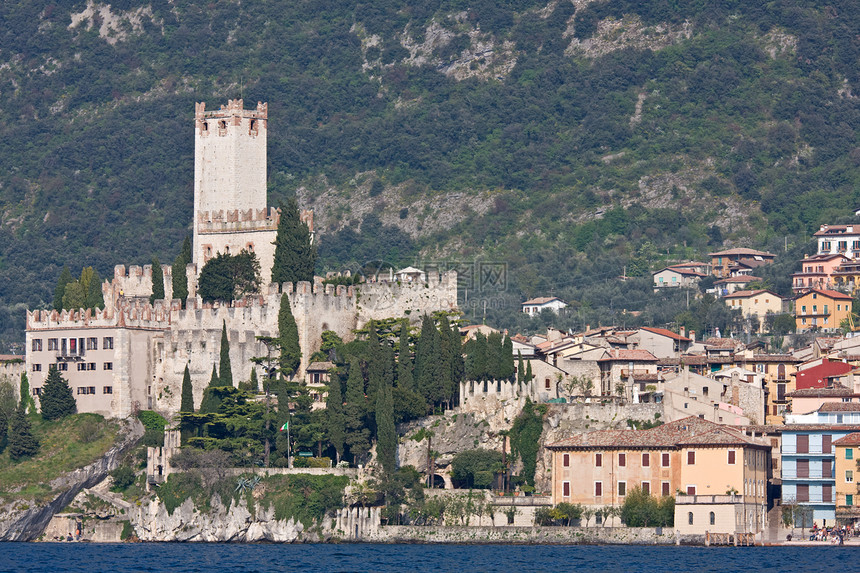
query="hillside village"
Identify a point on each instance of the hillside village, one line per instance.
(724, 437)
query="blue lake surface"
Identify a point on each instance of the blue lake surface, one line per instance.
(266, 558)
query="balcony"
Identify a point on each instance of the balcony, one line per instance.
(811, 475)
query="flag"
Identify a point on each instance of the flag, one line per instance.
(285, 427)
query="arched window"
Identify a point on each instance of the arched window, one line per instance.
(713, 518)
(690, 518)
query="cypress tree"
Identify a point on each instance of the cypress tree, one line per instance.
(405, 380)
(4, 426)
(95, 296)
(386, 437)
(428, 363)
(495, 360)
(295, 256)
(521, 372)
(334, 415)
(253, 382)
(179, 276)
(529, 375)
(508, 370)
(375, 363)
(26, 402)
(187, 404)
(22, 443)
(157, 281)
(57, 400)
(224, 365)
(211, 402)
(357, 435)
(60, 289)
(288, 333)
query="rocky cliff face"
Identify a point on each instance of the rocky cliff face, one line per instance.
(219, 523)
(28, 524)
(460, 430)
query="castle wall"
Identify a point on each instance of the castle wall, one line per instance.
(388, 299)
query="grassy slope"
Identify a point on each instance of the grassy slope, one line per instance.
(65, 446)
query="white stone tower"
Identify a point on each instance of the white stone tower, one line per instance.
(230, 205)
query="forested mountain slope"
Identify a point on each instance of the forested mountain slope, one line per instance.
(569, 140)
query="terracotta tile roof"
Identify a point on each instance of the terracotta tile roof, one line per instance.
(852, 439)
(751, 293)
(320, 366)
(741, 251)
(826, 230)
(622, 354)
(521, 339)
(682, 271)
(820, 428)
(826, 292)
(666, 332)
(542, 300)
(10, 357)
(835, 392)
(687, 431)
(840, 407)
(741, 279)
(773, 358)
(656, 377)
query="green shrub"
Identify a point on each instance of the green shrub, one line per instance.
(178, 488)
(152, 420)
(123, 476)
(127, 530)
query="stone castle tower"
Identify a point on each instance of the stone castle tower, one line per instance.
(230, 203)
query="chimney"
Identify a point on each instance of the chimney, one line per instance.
(693, 335)
(683, 331)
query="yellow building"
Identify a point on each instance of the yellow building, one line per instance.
(689, 456)
(824, 309)
(847, 451)
(755, 304)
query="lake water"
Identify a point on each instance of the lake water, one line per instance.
(267, 558)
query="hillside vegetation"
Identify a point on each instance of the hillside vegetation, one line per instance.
(570, 141)
(65, 446)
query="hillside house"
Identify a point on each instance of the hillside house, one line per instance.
(661, 342)
(729, 285)
(741, 261)
(756, 304)
(536, 305)
(817, 271)
(839, 239)
(819, 308)
(674, 277)
(619, 368)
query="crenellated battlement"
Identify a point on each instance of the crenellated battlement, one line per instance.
(234, 108)
(238, 221)
(230, 116)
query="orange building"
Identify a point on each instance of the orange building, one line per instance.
(689, 456)
(824, 309)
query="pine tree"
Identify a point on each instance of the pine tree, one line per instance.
(357, 436)
(288, 335)
(95, 296)
(375, 363)
(295, 256)
(334, 415)
(224, 365)
(386, 437)
(179, 274)
(187, 404)
(57, 400)
(157, 281)
(22, 443)
(211, 401)
(60, 289)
